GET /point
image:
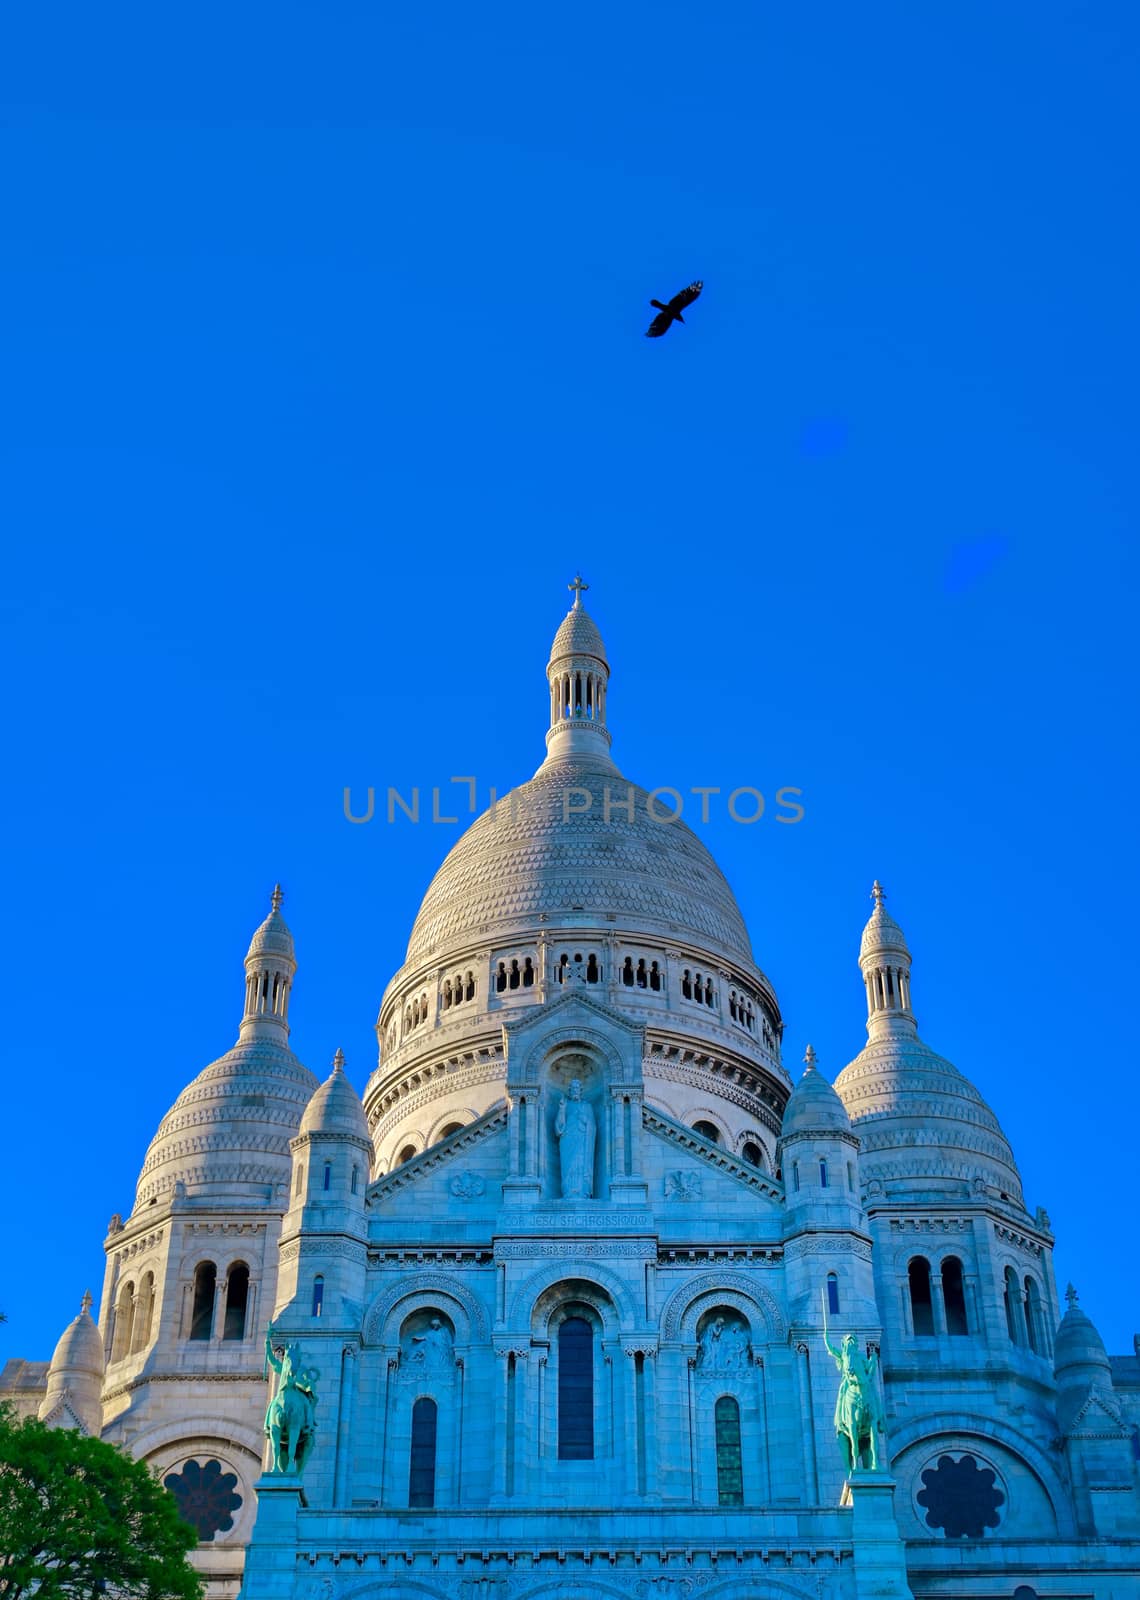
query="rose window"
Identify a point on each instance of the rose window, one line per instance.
(206, 1496)
(960, 1497)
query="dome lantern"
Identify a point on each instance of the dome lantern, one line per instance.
(578, 674)
(270, 966)
(885, 962)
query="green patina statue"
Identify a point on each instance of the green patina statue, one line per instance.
(291, 1420)
(858, 1423)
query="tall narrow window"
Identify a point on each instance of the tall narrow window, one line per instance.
(823, 1177)
(1012, 1309)
(833, 1294)
(318, 1295)
(751, 1154)
(575, 1390)
(921, 1304)
(355, 1183)
(124, 1322)
(299, 1180)
(421, 1472)
(237, 1300)
(202, 1315)
(1033, 1315)
(144, 1309)
(796, 1175)
(729, 1470)
(327, 1184)
(954, 1296)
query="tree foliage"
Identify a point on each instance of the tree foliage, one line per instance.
(82, 1520)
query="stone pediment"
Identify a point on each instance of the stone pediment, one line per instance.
(577, 1016)
(466, 1166)
(693, 1165)
(1099, 1416)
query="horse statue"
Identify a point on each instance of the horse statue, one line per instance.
(291, 1420)
(858, 1424)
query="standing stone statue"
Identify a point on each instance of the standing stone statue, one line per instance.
(858, 1424)
(291, 1420)
(433, 1348)
(576, 1131)
(710, 1350)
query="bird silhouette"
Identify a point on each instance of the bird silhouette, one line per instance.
(671, 313)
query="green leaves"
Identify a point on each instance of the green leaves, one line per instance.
(82, 1520)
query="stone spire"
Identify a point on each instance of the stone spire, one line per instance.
(270, 967)
(885, 962)
(75, 1377)
(578, 674)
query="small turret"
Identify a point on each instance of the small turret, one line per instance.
(270, 967)
(1095, 1432)
(75, 1377)
(885, 962)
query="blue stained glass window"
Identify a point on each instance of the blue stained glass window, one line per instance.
(729, 1471)
(575, 1390)
(421, 1473)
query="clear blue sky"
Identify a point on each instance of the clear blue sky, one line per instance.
(324, 370)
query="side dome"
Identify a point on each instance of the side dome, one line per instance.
(565, 848)
(1078, 1347)
(228, 1132)
(814, 1106)
(336, 1107)
(917, 1117)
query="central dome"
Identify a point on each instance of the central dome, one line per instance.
(548, 853)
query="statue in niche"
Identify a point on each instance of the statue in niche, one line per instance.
(576, 1132)
(433, 1349)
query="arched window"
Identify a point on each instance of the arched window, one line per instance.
(642, 976)
(469, 987)
(832, 1294)
(124, 1322)
(627, 972)
(528, 973)
(1012, 1306)
(144, 1310)
(237, 1301)
(954, 1296)
(1033, 1315)
(687, 984)
(751, 1154)
(318, 1295)
(447, 994)
(575, 1390)
(729, 1470)
(593, 971)
(921, 1303)
(707, 1131)
(654, 976)
(405, 1154)
(421, 1472)
(327, 1184)
(452, 1127)
(823, 1177)
(514, 978)
(202, 1315)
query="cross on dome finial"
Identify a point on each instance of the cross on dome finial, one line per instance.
(809, 1059)
(276, 897)
(578, 588)
(878, 893)
(1071, 1295)
(85, 1303)
(338, 1061)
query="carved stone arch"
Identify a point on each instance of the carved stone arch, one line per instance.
(469, 1316)
(585, 1271)
(695, 1114)
(463, 1114)
(752, 1135)
(686, 1304)
(201, 1433)
(929, 1429)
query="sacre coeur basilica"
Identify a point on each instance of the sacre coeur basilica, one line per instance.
(594, 1294)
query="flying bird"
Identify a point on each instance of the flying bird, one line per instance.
(671, 313)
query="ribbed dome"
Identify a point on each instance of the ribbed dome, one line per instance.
(578, 636)
(542, 857)
(80, 1348)
(336, 1107)
(814, 1107)
(229, 1130)
(917, 1116)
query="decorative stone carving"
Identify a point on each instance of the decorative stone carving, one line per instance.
(724, 1346)
(467, 1185)
(433, 1349)
(684, 1184)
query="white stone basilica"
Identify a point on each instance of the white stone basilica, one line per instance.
(559, 1283)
